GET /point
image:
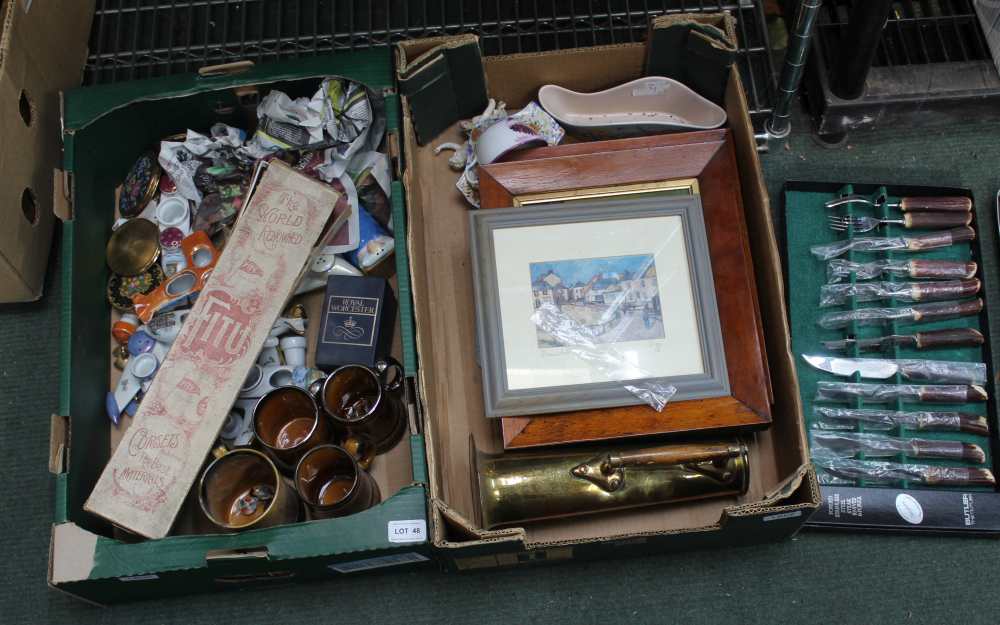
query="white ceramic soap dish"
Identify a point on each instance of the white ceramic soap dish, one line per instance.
(649, 105)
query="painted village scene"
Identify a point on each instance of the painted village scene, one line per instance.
(615, 299)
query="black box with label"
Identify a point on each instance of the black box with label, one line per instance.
(359, 314)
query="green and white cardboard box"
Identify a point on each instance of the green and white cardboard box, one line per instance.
(105, 129)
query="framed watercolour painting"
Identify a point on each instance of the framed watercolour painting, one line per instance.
(702, 163)
(629, 283)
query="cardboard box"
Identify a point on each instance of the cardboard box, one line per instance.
(783, 490)
(105, 129)
(32, 72)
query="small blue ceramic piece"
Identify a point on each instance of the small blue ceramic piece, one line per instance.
(114, 413)
(300, 376)
(376, 244)
(132, 407)
(140, 343)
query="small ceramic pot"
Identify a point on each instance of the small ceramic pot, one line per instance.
(124, 328)
(269, 353)
(173, 212)
(294, 349)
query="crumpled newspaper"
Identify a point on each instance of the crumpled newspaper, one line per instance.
(337, 132)
(343, 117)
(346, 123)
(182, 159)
(464, 157)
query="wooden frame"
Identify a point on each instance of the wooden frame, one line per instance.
(709, 157)
(499, 399)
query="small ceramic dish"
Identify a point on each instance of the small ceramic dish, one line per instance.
(649, 105)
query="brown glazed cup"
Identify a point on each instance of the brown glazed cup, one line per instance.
(332, 484)
(287, 423)
(367, 403)
(242, 490)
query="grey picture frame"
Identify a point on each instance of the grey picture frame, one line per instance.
(501, 401)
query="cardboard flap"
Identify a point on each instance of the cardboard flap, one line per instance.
(62, 204)
(58, 444)
(392, 150)
(792, 498)
(468, 531)
(789, 485)
(71, 553)
(443, 84)
(708, 49)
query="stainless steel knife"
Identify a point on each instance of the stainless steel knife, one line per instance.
(916, 313)
(942, 371)
(918, 420)
(892, 472)
(847, 444)
(882, 393)
(955, 337)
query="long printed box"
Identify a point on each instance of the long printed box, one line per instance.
(144, 485)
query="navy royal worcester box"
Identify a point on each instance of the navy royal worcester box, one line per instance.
(358, 320)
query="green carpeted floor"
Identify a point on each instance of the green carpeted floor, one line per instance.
(814, 578)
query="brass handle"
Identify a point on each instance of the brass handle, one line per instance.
(607, 471)
(670, 455)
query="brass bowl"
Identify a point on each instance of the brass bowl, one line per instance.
(133, 247)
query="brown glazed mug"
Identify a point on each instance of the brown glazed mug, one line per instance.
(242, 489)
(332, 484)
(287, 423)
(367, 403)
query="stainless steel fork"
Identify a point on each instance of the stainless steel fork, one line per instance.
(909, 221)
(859, 224)
(958, 204)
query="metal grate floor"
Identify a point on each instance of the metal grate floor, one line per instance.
(918, 32)
(133, 39)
